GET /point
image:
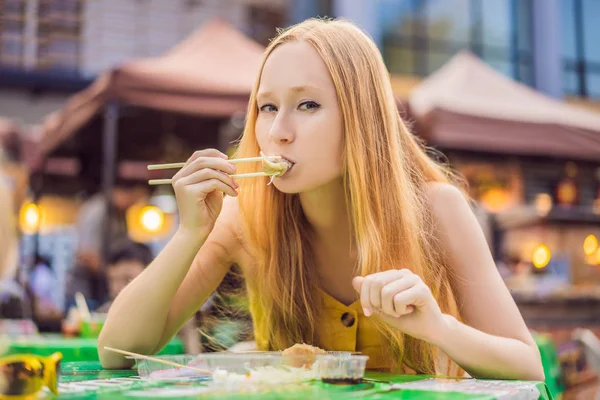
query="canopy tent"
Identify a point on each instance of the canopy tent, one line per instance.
(211, 73)
(467, 105)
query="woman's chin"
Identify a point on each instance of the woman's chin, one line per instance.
(285, 186)
(294, 186)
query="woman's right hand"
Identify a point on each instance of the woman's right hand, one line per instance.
(199, 188)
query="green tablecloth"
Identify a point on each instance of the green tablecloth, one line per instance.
(72, 349)
(77, 373)
(551, 363)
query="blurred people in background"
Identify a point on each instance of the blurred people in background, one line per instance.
(16, 174)
(88, 276)
(14, 302)
(127, 260)
(41, 282)
(8, 232)
(521, 276)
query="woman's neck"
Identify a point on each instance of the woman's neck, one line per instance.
(334, 245)
(326, 211)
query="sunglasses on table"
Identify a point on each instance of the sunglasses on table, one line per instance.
(22, 375)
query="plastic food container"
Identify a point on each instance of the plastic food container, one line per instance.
(233, 370)
(341, 370)
(239, 363)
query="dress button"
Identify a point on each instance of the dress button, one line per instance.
(348, 319)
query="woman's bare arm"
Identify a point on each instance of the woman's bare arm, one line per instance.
(154, 306)
(494, 340)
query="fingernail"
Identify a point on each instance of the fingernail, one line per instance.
(367, 312)
(237, 185)
(225, 156)
(232, 167)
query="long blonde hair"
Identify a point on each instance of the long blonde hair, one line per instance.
(385, 173)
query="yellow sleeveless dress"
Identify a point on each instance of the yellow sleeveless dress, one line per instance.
(339, 328)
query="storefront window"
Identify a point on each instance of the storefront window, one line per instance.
(421, 35)
(11, 32)
(447, 21)
(581, 54)
(59, 33)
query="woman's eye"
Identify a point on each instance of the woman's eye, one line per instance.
(308, 105)
(268, 108)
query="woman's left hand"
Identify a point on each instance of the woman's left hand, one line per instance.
(402, 300)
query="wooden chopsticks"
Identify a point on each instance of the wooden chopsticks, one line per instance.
(156, 359)
(156, 167)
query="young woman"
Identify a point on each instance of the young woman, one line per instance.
(364, 244)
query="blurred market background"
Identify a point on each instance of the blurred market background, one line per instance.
(91, 91)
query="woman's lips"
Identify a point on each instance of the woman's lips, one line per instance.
(290, 163)
(289, 169)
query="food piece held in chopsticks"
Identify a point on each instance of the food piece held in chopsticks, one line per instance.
(274, 168)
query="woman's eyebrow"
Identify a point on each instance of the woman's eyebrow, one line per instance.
(296, 89)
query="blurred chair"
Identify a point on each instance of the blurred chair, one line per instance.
(590, 345)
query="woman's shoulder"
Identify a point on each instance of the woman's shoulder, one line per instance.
(440, 193)
(446, 201)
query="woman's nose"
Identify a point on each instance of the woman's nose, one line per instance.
(281, 132)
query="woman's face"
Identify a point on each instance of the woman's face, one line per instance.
(299, 117)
